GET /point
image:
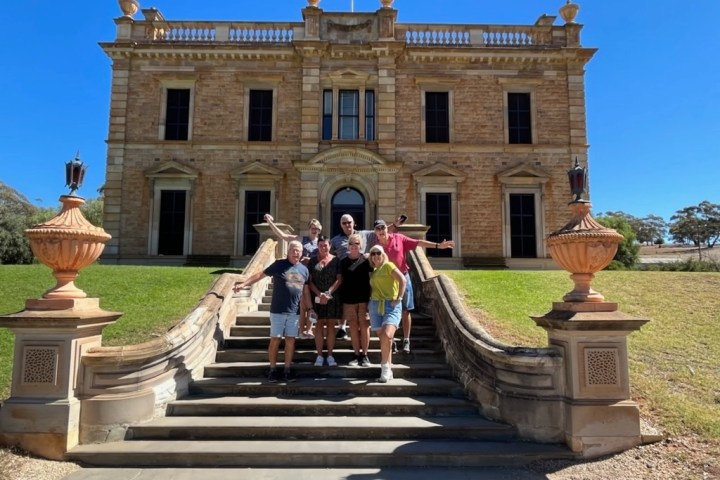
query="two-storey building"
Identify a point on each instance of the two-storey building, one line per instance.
(467, 128)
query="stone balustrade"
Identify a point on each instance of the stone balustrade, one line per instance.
(285, 33)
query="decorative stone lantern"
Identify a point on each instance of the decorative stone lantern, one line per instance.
(42, 414)
(68, 242)
(591, 334)
(583, 246)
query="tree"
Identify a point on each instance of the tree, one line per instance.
(15, 215)
(697, 224)
(653, 228)
(628, 250)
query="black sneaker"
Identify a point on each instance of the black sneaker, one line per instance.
(273, 376)
(394, 346)
(289, 376)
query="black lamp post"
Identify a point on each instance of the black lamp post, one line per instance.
(74, 174)
(578, 182)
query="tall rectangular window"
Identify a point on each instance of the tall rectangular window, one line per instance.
(369, 115)
(327, 115)
(438, 216)
(257, 204)
(177, 114)
(171, 228)
(437, 117)
(260, 116)
(519, 127)
(523, 239)
(348, 115)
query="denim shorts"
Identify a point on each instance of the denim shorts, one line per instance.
(284, 324)
(390, 317)
(408, 300)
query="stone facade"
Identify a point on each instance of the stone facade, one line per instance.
(329, 143)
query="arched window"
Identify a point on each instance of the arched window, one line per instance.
(347, 200)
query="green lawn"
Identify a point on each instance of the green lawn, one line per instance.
(674, 359)
(152, 299)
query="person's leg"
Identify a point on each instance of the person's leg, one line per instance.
(330, 324)
(273, 349)
(364, 321)
(350, 313)
(408, 304)
(291, 331)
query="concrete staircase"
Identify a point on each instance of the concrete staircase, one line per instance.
(331, 417)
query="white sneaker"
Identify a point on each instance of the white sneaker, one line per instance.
(319, 361)
(331, 361)
(385, 373)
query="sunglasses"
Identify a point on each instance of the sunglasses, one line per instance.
(346, 223)
(380, 227)
(351, 243)
(373, 254)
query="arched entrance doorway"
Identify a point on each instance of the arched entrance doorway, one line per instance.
(347, 200)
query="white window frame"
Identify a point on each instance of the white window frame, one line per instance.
(160, 184)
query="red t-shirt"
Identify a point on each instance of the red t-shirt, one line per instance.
(398, 244)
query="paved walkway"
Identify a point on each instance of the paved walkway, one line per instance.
(419, 473)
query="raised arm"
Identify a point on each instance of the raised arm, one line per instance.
(288, 237)
(441, 245)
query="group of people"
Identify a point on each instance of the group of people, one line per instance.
(325, 281)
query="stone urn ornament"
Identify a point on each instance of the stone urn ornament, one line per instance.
(68, 242)
(129, 7)
(313, 3)
(386, 3)
(583, 247)
(569, 11)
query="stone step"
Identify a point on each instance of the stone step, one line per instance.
(284, 473)
(250, 330)
(261, 341)
(321, 385)
(262, 317)
(324, 427)
(308, 370)
(342, 355)
(314, 453)
(322, 405)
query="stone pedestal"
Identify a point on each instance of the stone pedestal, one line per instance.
(600, 418)
(266, 232)
(417, 231)
(42, 414)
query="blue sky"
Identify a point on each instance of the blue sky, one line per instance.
(653, 88)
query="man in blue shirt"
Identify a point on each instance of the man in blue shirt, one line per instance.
(289, 277)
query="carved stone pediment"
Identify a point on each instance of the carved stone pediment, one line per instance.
(523, 174)
(172, 169)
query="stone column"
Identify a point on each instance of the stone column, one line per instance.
(42, 414)
(600, 418)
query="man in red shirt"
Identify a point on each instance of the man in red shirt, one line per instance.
(396, 245)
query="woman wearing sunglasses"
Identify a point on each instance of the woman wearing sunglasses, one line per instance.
(387, 285)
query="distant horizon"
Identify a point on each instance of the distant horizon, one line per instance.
(652, 93)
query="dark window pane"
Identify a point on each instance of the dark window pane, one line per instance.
(327, 115)
(437, 117)
(438, 210)
(350, 201)
(260, 121)
(348, 114)
(369, 115)
(177, 114)
(257, 204)
(171, 230)
(522, 226)
(519, 128)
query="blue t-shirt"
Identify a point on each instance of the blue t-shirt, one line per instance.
(288, 283)
(309, 247)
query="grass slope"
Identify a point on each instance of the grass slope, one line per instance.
(674, 366)
(152, 300)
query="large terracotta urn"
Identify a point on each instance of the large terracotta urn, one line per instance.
(583, 247)
(67, 243)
